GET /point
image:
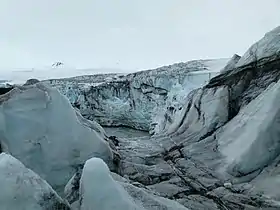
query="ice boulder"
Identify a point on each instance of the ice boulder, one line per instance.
(98, 190)
(40, 128)
(22, 189)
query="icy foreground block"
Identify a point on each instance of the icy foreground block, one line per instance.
(22, 189)
(40, 128)
(98, 190)
(101, 190)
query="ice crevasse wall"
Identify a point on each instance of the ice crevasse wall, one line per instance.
(139, 99)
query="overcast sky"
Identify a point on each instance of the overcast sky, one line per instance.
(129, 34)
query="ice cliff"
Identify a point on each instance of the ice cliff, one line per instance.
(134, 100)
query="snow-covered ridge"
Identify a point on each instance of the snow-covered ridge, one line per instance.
(135, 99)
(267, 46)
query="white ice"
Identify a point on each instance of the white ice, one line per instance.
(22, 189)
(41, 129)
(98, 190)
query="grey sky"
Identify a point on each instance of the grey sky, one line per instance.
(129, 34)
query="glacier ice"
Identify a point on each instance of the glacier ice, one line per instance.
(134, 100)
(22, 189)
(250, 141)
(205, 110)
(214, 147)
(41, 129)
(99, 190)
(105, 190)
(221, 141)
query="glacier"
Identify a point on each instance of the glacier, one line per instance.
(134, 100)
(104, 190)
(21, 188)
(214, 145)
(99, 190)
(218, 147)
